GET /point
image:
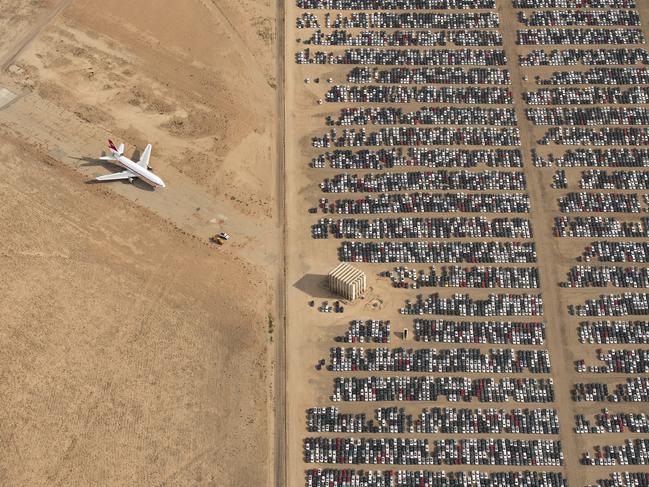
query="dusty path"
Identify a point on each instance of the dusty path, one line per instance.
(23, 43)
(280, 429)
(237, 39)
(542, 203)
(183, 203)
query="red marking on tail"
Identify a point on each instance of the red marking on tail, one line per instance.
(111, 145)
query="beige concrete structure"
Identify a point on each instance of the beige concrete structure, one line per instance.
(347, 281)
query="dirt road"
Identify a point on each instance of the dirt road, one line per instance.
(280, 425)
(14, 51)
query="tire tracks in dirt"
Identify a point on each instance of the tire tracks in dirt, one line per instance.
(247, 55)
(280, 379)
(17, 49)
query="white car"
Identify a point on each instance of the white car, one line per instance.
(224, 236)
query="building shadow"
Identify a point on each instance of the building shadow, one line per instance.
(315, 286)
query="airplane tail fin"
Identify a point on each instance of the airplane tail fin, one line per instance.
(112, 147)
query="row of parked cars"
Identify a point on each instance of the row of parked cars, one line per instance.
(614, 332)
(425, 116)
(631, 452)
(597, 226)
(628, 136)
(404, 57)
(407, 451)
(469, 95)
(445, 420)
(598, 76)
(635, 479)
(587, 157)
(470, 277)
(368, 331)
(588, 116)
(602, 179)
(493, 332)
(442, 179)
(343, 37)
(600, 202)
(590, 95)
(385, 19)
(608, 422)
(618, 361)
(500, 304)
(326, 477)
(603, 276)
(625, 304)
(633, 390)
(579, 17)
(614, 251)
(416, 227)
(475, 360)
(396, 4)
(555, 36)
(536, 4)
(417, 156)
(424, 202)
(450, 75)
(419, 251)
(603, 56)
(453, 389)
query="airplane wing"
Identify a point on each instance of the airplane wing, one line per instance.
(144, 159)
(117, 175)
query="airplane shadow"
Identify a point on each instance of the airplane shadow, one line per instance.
(136, 182)
(93, 161)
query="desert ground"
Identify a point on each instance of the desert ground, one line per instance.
(134, 352)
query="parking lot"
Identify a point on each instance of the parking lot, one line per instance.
(512, 302)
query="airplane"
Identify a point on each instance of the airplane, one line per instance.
(139, 169)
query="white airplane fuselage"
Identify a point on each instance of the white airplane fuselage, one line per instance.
(144, 174)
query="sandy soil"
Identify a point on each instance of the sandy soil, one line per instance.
(127, 354)
(133, 352)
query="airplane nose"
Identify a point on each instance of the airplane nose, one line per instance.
(158, 180)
